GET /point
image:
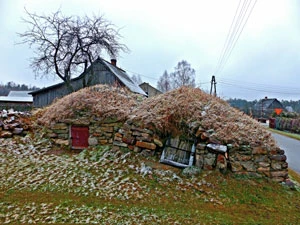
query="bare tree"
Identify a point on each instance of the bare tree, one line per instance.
(164, 82)
(137, 79)
(67, 45)
(183, 75)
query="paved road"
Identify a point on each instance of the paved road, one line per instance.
(292, 150)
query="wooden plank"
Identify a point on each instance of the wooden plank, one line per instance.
(79, 136)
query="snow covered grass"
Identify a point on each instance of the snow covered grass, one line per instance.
(107, 186)
(27, 166)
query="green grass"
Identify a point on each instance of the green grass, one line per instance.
(287, 134)
(233, 201)
(167, 197)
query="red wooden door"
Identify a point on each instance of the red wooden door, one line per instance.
(79, 136)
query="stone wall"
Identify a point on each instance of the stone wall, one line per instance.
(137, 139)
(100, 132)
(244, 160)
(14, 123)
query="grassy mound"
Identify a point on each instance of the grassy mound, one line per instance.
(101, 101)
(110, 186)
(182, 110)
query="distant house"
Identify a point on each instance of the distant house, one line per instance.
(103, 73)
(18, 100)
(264, 108)
(289, 109)
(150, 91)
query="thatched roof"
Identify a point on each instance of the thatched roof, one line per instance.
(183, 111)
(186, 110)
(101, 101)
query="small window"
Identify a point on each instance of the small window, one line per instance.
(179, 153)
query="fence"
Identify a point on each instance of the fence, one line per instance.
(286, 124)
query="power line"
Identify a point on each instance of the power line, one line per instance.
(236, 28)
(261, 89)
(233, 37)
(259, 85)
(146, 76)
(239, 34)
(201, 83)
(142, 75)
(231, 34)
(227, 37)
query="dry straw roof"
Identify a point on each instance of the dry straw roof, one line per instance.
(101, 101)
(181, 111)
(185, 108)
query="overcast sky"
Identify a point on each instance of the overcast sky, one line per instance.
(264, 62)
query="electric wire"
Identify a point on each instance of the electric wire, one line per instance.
(156, 79)
(233, 34)
(228, 35)
(260, 85)
(235, 31)
(251, 86)
(263, 89)
(235, 41)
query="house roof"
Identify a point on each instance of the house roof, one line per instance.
(266, 103)
(17, 96)
(124, 78)
(148, 85)
(119, 73)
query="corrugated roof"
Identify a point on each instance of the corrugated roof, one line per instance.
(15, 99)
(124, 78)
(17, 96)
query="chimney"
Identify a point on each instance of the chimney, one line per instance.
(113, 62)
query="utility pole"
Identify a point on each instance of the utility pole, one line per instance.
(213, 84)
